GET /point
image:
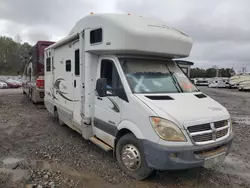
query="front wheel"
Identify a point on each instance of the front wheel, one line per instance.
(130, 157)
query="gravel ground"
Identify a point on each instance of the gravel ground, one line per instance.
(37, 152)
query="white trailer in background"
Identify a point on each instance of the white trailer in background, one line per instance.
(238, 79)
(113, 80)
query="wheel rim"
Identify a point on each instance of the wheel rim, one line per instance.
(131, 157)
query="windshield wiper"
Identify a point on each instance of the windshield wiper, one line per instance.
(176, 83)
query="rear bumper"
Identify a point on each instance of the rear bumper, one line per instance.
(38, 95)
(174, 158)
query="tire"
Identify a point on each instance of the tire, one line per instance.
(30, 95)
(139, 171)
(56, 118)
(24, 92)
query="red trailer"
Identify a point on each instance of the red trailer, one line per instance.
(33, 76)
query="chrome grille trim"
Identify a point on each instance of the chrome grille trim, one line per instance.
(220, 124)
(198, 128)
(209, 132)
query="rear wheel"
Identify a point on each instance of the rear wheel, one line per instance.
(131, 158)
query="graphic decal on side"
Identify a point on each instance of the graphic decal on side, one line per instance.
(61, 93)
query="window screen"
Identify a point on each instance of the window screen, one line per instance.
(77, 63)
(95, 36)
(48, 65)
(68, 66)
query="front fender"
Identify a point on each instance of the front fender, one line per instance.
(125, 124)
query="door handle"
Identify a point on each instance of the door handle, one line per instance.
(99, 98)
(74, 83)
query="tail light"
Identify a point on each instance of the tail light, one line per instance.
(40, 82)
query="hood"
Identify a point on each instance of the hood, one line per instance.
(185, 109)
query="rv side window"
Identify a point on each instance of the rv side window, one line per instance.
(77, 63)
(48, 65)
(96, 36)
(109, 71)
(68, 66)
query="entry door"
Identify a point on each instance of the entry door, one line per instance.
(107, 109)
(76, 83)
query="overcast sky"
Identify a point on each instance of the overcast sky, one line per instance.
(220, 28)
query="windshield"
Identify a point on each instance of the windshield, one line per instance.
(155, 76)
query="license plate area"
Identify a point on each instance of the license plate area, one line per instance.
(206, 154)
(214, 160)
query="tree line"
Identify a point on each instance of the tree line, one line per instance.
(211, 72)
(13, 55)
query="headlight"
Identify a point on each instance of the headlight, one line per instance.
(167, 130)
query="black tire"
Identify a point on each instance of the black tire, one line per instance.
(143, 171)
(24, 92)
(56, 118)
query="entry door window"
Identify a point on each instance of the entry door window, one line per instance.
(109, 71)
(77, 62)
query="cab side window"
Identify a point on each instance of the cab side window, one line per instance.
(109, 71)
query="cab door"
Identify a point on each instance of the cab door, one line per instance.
(107, 112)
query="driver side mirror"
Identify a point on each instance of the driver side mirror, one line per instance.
(101, 87)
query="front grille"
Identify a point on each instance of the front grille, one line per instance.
(221, 133)
(203, 137)
(198, 128)
(220, 124)
(203, 133)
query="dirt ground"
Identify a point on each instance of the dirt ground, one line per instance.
(37, 152)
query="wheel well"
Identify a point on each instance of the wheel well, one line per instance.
(120, 134)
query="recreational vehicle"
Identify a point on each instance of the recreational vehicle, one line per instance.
(219, 82)
(33, 76)
(244, 85)
(236, 80)
(113, 79)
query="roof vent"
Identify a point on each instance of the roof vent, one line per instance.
(159, 97)
(200, 96)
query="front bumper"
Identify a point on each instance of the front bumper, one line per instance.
(160, 157)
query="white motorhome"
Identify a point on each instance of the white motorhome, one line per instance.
(237, 79)
(113, 80)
